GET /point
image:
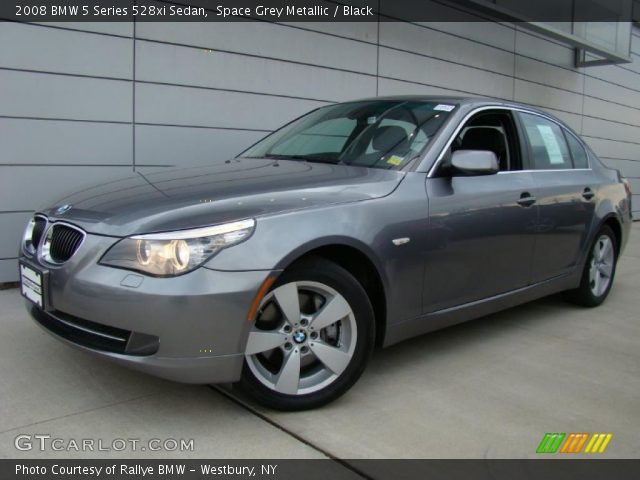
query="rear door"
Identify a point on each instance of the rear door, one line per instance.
(565, 195)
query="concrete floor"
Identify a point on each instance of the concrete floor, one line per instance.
(486, 389)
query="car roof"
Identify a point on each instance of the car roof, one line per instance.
(459, 100)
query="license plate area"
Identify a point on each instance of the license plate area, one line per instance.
(33, 284)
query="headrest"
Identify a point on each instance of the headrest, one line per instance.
(484, 138)
(386, 138)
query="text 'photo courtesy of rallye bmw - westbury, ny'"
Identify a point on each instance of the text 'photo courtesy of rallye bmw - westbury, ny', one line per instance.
(170, 470)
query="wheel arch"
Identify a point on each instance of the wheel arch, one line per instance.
(610, 219)
(615, 224)
(357, 259)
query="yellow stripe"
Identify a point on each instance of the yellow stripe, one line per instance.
(583, 438)
(598, 442)
(607, 439)
(590, 444)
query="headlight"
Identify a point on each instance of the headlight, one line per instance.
(174, 253)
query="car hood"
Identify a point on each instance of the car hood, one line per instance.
(217, 193)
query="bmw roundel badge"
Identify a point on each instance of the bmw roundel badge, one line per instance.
(63, 209)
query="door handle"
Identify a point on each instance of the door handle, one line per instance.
(526, 200)
(588, 194)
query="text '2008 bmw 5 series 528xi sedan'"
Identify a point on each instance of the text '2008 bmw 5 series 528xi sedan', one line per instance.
(359, 224)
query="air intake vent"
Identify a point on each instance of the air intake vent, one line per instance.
(61, 243)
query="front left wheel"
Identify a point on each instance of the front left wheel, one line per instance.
(312, 337)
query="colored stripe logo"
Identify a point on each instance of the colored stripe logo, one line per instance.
(574, 443)
(598, 443)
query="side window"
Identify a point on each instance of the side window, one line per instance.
(493, 131)
(578, 153)
(548, 148)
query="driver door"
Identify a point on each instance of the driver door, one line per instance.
(481, 228)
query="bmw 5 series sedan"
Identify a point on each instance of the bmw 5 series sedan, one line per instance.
(357, 225)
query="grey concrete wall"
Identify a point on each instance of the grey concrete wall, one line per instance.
(84, 103)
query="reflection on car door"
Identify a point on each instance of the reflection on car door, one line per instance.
(482, 228)
(564, 186)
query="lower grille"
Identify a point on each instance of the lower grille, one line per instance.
(95, 335)
(62, 242)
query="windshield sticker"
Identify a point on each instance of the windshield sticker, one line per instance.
(394, 160)
(443, 107)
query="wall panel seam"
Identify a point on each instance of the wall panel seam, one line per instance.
(612, 139)
(232, 90)
(65, 74)
(62, 119)
(122, 165)
(137, 123)
(253, 55)
(133, 100)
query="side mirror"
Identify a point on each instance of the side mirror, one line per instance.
(475, 162)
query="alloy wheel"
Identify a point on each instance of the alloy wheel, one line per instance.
(303, 339)
(601, 268)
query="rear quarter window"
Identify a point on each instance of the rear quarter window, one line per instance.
(578, 152)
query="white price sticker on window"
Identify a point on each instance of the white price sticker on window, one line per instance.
(551, 144)
(443, 107)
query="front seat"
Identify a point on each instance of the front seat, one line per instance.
(384, 139)
(486, 138)
(388, 138)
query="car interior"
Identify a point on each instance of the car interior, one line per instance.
(493, 131)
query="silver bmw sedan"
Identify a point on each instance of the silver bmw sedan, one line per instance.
(357, 225)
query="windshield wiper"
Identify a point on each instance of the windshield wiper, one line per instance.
(307, 158)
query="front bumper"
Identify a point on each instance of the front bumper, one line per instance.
(191, 328)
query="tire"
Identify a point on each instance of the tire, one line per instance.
(599, 271)
(292, 365)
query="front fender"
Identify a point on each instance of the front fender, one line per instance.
(368, 226)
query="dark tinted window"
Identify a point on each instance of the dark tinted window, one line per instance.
(577, 151)
(548, 147)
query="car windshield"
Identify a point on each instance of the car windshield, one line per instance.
(377, 134)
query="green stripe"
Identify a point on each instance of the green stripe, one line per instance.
(550, 442)
(556, 445)
(542, 448)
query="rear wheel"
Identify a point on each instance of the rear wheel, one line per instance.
(599, 271)
(312, 337)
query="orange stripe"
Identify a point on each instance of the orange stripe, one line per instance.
(583, 439)
(264, 288)
(576, 439)
(567, 442)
